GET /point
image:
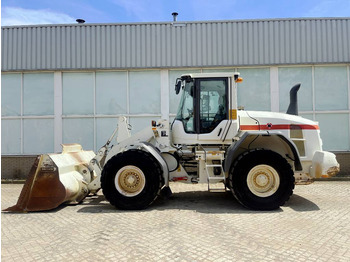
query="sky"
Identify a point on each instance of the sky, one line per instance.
(30, 12)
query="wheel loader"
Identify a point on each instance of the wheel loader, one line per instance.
(258, 156)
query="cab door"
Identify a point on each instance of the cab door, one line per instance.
(213, 110)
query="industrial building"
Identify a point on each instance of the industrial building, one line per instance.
(70, 83)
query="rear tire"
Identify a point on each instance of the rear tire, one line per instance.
(131, 180)
(261, 180)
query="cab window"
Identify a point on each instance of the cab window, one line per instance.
(212, 104)
(185, 112)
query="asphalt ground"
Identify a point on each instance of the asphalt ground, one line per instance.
(193, 225)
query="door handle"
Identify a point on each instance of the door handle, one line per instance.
(220, 131)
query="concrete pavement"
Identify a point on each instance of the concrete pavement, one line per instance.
(194, 225)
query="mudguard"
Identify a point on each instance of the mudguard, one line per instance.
(233, 148)
(156, 154)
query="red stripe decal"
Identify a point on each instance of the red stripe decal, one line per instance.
(182, 178)
(278, 127)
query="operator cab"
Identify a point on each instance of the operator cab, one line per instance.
(203, 112)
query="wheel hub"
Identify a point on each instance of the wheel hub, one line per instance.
(263, 180)
(129, 181)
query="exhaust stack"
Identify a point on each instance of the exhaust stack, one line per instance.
(293, 104)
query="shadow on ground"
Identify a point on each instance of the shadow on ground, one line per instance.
(199, 201)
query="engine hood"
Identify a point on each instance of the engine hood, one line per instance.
(261, 120)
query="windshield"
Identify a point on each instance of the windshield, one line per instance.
(185, 113)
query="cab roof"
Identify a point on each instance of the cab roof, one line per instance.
(210, 75)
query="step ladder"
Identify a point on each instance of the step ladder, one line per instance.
(216, 178)
(213, 178)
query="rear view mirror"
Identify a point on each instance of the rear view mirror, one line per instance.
(178, 85)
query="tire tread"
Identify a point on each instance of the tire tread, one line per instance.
(284, 167)
(120, 160)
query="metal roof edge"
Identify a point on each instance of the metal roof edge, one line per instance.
(179, 22)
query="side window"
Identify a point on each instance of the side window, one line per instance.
(213, 104)
(185, 112)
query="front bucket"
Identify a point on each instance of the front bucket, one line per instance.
(55, 179)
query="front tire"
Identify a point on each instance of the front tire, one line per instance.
(131, 180)
(261, 180)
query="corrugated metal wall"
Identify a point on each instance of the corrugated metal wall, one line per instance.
(182, 44)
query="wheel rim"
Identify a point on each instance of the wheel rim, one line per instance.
(263, 180)
(130, 181)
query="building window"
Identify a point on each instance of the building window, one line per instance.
(27, 113)
(11, 94)
(254, 92)
(290, 76)
(144, 92)
(331, 88)
(334, 131)
(79, 130)
(111, 93)
(78, 93)
(38, 94)
(11, 139)
(38, 136)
